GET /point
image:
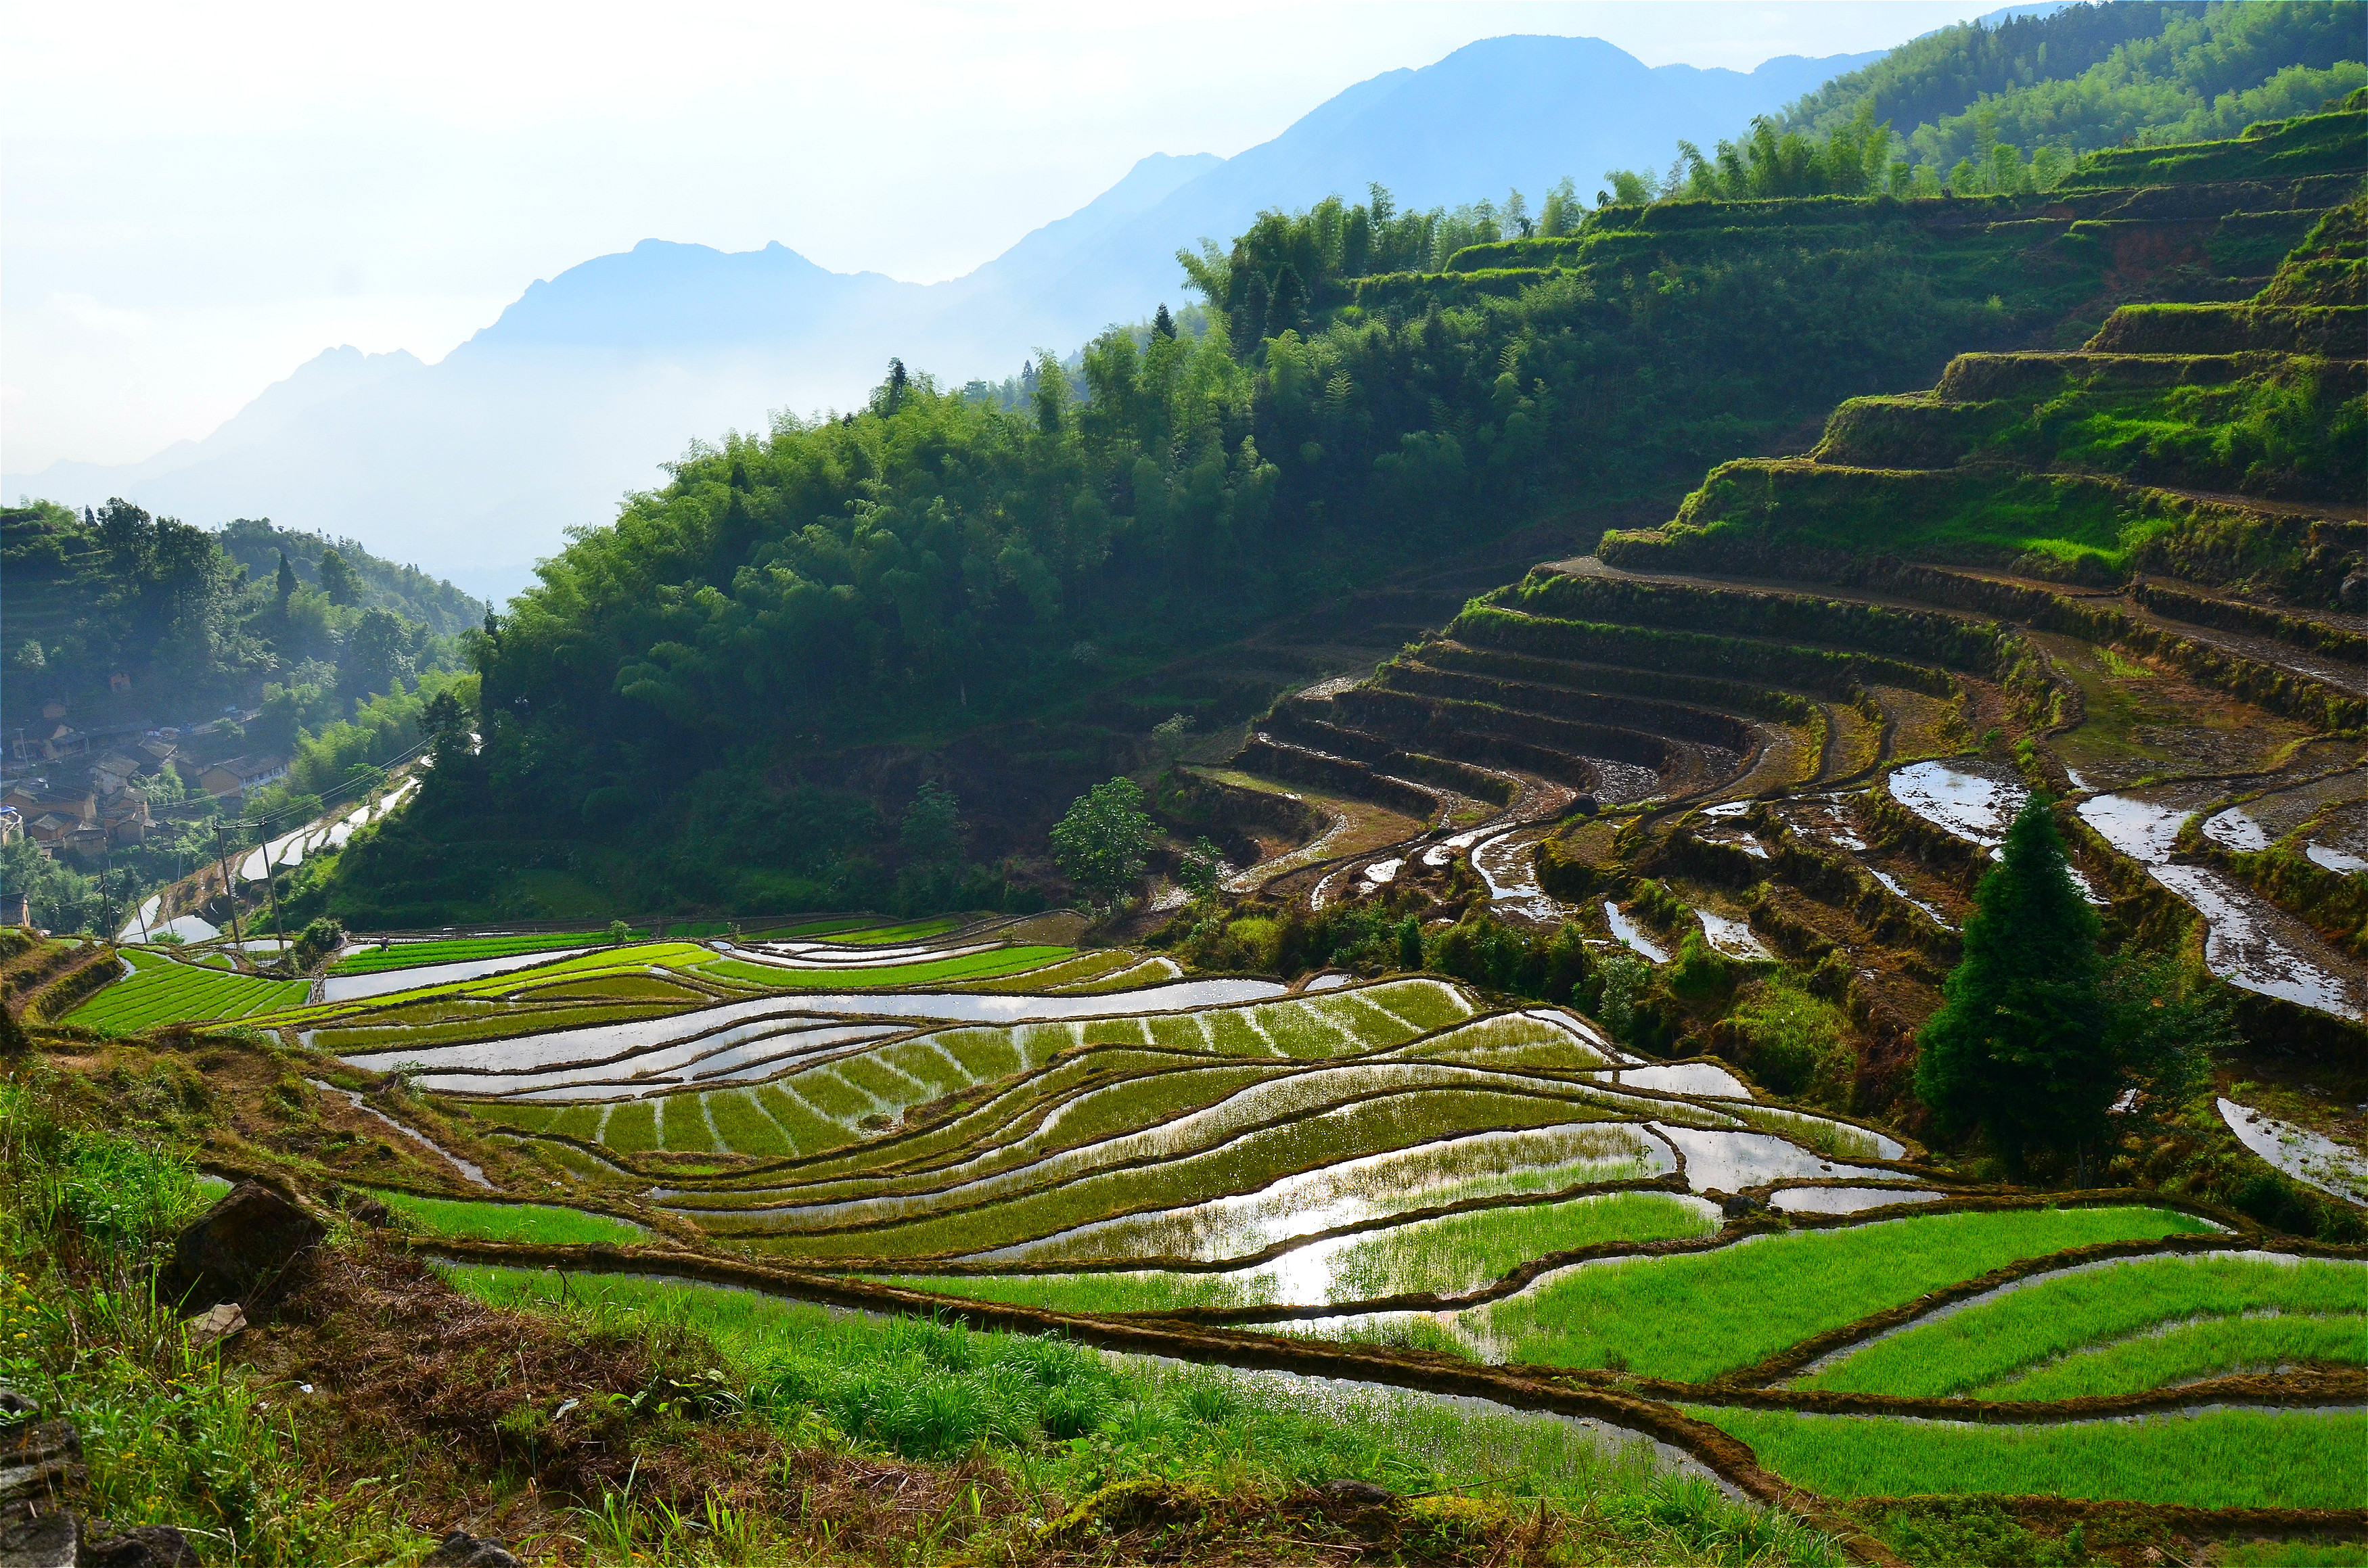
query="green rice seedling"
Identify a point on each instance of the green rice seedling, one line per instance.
(1299, 1029)
(1133, 976)
(2220, 1458)
(982, 1053)
(636, 959)
(1138, 1291)
(1508, 1041)
(1426, 1003)
(867, 1072)
(463, 950)
(579, 1121)
(683, 1127)
(1362, 1016)
(1178, 1031)
(1832, 1139)
(910, 931)
(939, 971)
(1051, 1153)
(1695, 1316)
(618, 987)
(809, 1132)
(831, 1095)
(525, 1118)
(926, 1064)
(631, 1128)
(470, 1220)
(1071, 972)
(742, 1125)
(2213, 1347)
(2025, 1329)
(1463, 1252)
(1117, 1032)
(162, 991)
(1234, 1031)
(1242, 1165)
(1551, 1159)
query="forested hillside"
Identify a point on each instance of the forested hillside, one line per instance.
(933, 564)
(2095, 76)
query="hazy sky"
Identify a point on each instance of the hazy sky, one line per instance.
(195, 200)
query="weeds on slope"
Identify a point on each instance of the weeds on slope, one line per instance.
(1068, 1454)
(170, 1434)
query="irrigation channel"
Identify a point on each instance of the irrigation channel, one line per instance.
(1392, 1181)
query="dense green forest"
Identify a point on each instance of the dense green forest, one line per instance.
(194, 618)
(1980, 109)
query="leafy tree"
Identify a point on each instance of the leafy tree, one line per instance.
(1169, 737)
(2023, 1046)
(445, 720)
(1199, 868)
(319, 940)
(932, 828)
(378, 655)
(338, 580)
(1104, 840)
(2168, 1024)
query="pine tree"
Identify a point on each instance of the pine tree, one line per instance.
(2022, 1045)
(1163, 325)
(287, 582)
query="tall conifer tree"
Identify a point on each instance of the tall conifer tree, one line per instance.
(2021, 1047)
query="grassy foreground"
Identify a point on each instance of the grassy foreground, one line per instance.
(608, 1420)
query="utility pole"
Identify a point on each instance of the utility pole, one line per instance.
(228, 893)
(271, 881)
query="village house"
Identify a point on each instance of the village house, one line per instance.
(240, 774)
(51, 831)
(34, 798)
(126, 818)
(114, 771)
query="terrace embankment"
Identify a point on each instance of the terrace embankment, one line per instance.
(1794, 719)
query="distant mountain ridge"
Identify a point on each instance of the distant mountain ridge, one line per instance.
(474, 467)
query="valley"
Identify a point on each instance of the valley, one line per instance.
(1691, 892)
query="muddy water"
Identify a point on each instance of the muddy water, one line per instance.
(2248, 941)
(1628, 932)
(2311, 1158)
(1507, 863)
(1955, 797)
(1729, 1162)
(1846, 1199)
(531, 1052)
(355, 987)
(1731, 936)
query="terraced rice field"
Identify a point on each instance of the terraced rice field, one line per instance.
(161, 990)
(1403, 1168)
(459, 949)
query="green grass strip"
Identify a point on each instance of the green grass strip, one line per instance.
(469, 1220)
(2215, 1347)
(2221, 1459)
(462, 950)
(2026, 1327)
(976, 966)
(1695, 1316)
(1463, 1252)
